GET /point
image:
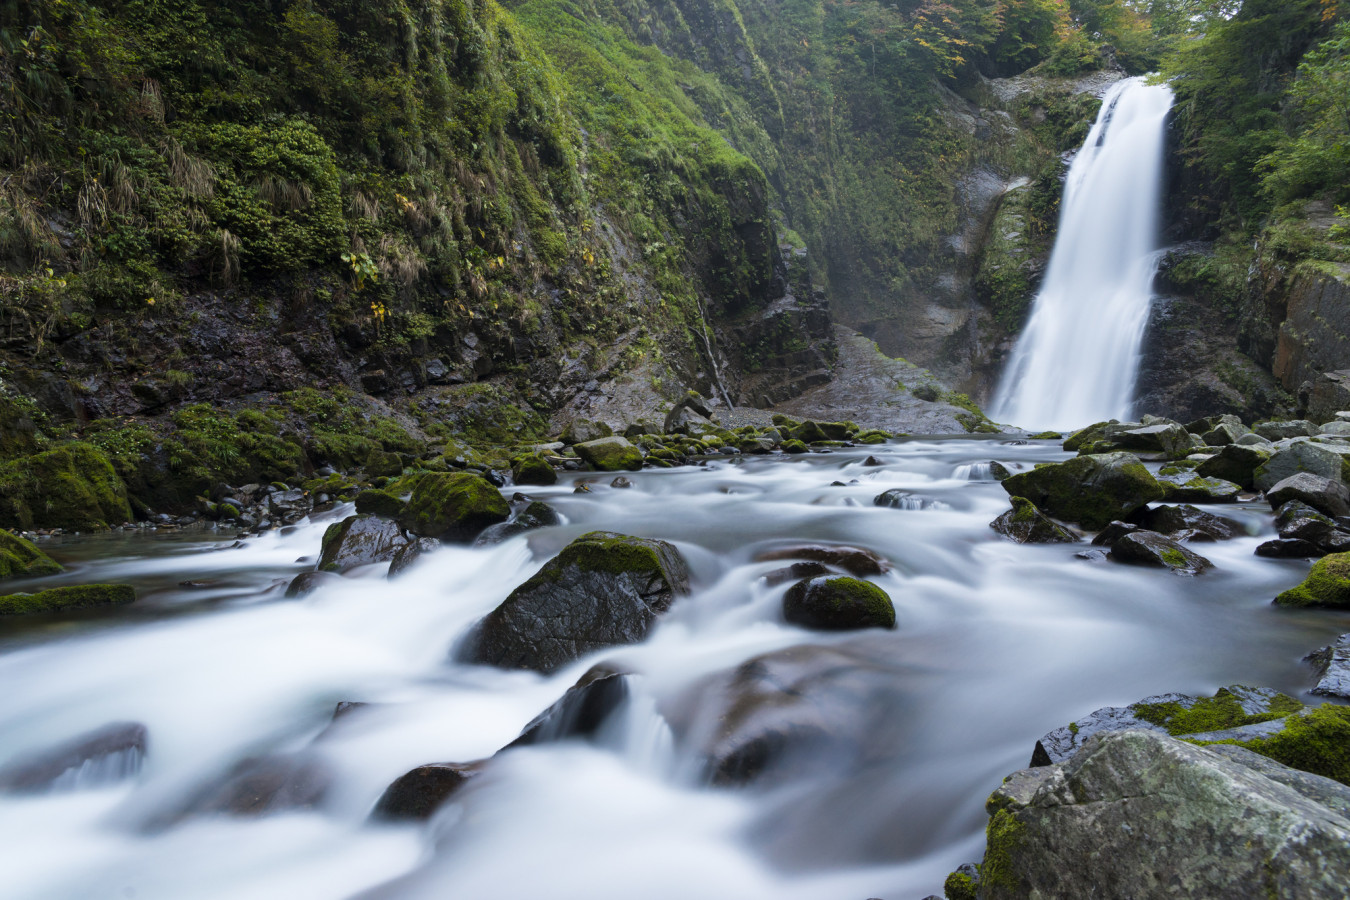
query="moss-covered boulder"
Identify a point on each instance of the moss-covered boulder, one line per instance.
(795, 446)
(611, 454)
(1091, 490)
(809, 432)
(838, 603)
(382, 463)
(532, 469)
(84, 596)
(379, 503)
(602, 590)
(1025, 524)
(72, 487)
(453, 507)
(1328, 584)
(359, 541)
(1188, 487)
(1148, 548)
(20, 558)
(580, 431)
(1089, 435)
(1236, 463)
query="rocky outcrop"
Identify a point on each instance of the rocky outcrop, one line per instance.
(604, 589)
(1143, 815)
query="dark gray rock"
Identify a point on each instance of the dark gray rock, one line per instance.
(359, 541)
(257, 786)
(1304, 456)
(307, 583)
(1184, 521)
(1327, 496)
(581, 712)
(1151, 549)
(1189, 487)
(898, 499)
(1113, 532)
(1025, 524)
(408, 555)
(579, 431)
(604, 589)
(838, 603)
(1283, 548)
(417, 794)
(1276, 431)
(99, 757)
(1236, 463)
(1139, 814)
(795, 572)
(1332, 665)
(536, 514)
(853, 560)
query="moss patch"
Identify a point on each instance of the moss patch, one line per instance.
(73, 487)
(1316, 741)
(85, 596)
(21, 558)
(1216, 713)
(1328, 584)
(453, 507)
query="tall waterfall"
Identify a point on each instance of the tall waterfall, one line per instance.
(1077, 360)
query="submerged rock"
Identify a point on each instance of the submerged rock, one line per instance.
(611, 454)
(20, 558)
(1141, 814)
(838, 603)
(1285, 548)
(307, 583)
(359, 541)
(854, 560)
(453, 507)
(1091, 490)
(603, 589)
(417, 794)
(99, 757)
(1328, 584)
(61, 599)
(258, 786)
(1026, 524)
(536, 514)
(1152, 549)
(581, 711)
(898, 499)
(408, 555)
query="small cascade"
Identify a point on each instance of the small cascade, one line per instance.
(1078, 358)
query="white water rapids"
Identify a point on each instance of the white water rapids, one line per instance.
(997, 643)
(1077, 360)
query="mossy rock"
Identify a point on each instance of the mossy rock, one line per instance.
(603, 589)
(808, 432)
(379, 503)
(1046, 436)
(795, 446)
(20, 558)
(1327, 585)
(453, 507)
(962, 884)
(581, 431)
(382, 462)
(1092, 490)
(929, 393)
(532, 469)
(72, 487)
(1236, 463)
(1313, 740)
(358, 541)
(1025, 524)
(611, 454)
(838, 603)
(871, 437)
(1091, 434)
(84, 596)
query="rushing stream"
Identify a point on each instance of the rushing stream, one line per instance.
(1077, 359)
(997, 643)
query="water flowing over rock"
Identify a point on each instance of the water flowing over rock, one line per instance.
(103, 756)
(359, 541)
(1076, 361)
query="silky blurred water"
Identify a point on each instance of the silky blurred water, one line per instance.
(997, 643)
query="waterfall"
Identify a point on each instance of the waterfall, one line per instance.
(1077, 360)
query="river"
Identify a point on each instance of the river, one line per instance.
(996, 644)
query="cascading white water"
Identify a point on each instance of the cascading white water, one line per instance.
(1077, 360)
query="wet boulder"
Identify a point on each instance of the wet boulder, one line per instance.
(838, 603)
(74, 487)
(1327, 585)
(416, 795)
(854, 560)
(1327, 496)
(536, 514)
(1169, 439)
(795, 572)
(532, 469)
(379, 503)
(1236, 463)
(1304, 456)
(602, 590)
(1288, 548)
(1332, 666)
(898, 499)
(611, 454)
(1224, 434)
(1189, 487)
(307, 583)
(453, 507)
(1235, 706)
(1141, 814)
(1092, 490)
(581, 712)
(1025, 524)
(808, 433)
(359, 541)
(1089, 435)
(1186, 522)
(289, 504)
(1114, 532)
(1149, 548)
(792, 713)
(62, 599)
(21, 558)
(256, 786)
(103, 756)
(408, 555)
